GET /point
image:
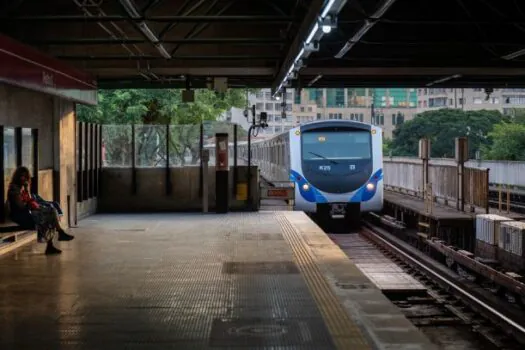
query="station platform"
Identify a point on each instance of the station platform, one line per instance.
(267, 280)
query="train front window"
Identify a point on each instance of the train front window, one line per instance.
(336, 145)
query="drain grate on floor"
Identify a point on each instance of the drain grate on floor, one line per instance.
(260, 268)
(343, 285)
(256, 332)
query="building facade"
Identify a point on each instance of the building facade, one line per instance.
(503, 100)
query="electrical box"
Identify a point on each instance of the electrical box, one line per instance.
(424, 149)
(221, 151)
(188, 96)
(264, 117)
(461, 149)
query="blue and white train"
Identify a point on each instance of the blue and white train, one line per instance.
(336, 165)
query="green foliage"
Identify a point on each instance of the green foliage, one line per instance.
(159, 106)
(154, 109)
(387, 147)
(508, 142)
(442, 127)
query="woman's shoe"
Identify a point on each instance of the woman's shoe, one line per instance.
(51, 249)
(63, 236)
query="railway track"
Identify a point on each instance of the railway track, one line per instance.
(467, 304)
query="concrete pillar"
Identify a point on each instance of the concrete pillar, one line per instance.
(64, 157)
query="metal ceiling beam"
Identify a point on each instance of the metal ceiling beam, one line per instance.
(180, 57)
(182, 12)
(193, 71)
(193, 41)
(413, 71)
(309, 20)
(160, 19)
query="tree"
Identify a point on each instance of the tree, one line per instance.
(442, 127)
(508, 142)
(154, 109)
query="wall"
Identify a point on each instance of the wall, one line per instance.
(55, 120)
(116, 191)
(24, 108)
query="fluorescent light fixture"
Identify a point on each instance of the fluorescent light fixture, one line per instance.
(314, 80)
(382, 9)
(299, 55)
(148, 33)
(514, 55)
(312, 33)
(326, 28)
(130, 8)
(344, 50)
(442, 80)
(327, 8)
(163, 51)
(361, 32)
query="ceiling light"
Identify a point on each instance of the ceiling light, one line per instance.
(514, 55)
(130, 8)
(327, 8)
(326, 28)
(163, 51)
(382, 9)
(312, 33)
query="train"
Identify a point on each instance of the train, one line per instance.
(335, 165)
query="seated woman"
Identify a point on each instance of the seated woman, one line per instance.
(29, 214)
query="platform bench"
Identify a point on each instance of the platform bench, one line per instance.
(13, 236)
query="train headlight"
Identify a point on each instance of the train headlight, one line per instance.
(306, 187)
(370, 186)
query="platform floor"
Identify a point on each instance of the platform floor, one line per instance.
(268, 280)
(381, 271)
(440, 211)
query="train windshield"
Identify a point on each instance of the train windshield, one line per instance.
(333, 145)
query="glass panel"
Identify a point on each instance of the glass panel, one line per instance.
(27, 150)
(336, 145)
(150, 146)
(9, 156)
(184, 145)
(116, 146)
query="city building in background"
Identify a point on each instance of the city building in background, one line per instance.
(503, 100)
(384, 107)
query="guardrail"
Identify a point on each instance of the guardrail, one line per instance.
(407, 174)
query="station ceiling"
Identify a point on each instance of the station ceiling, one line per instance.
(452, 43)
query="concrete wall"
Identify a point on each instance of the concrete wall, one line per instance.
(116, 194)
(55, 120)
(28, 109)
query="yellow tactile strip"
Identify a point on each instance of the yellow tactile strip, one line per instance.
(345, 333)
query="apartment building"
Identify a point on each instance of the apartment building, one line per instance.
(503, 100)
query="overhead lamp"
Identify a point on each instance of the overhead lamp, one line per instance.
(514, 55)
(314, 30)
(148, 33)
(130, 7)
(326, 28)
(382, 9)
(299, 55)
(327, 8)
(163, 51)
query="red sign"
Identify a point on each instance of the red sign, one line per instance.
(277, 193)
(24, 66)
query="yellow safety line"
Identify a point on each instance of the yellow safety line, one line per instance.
(345, 333)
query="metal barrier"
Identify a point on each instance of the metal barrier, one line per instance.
(406, 175)
(279, 191)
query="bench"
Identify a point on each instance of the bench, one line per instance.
(13, 236)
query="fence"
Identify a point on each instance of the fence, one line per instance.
(501, 171)
(165, 160)
(406, 175)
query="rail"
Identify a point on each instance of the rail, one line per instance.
(389, 242)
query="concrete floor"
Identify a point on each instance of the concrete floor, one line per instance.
(187, 281)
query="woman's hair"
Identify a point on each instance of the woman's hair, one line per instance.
(17, 175)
